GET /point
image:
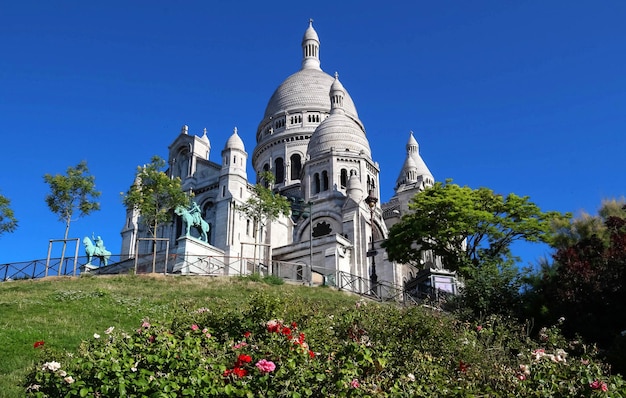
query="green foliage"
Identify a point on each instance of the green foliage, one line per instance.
(75, 191)
(585, 284)
(8, 222)
(154, 194)
(285, 345)
(465, 226)
(568, 232)
(256, 277)
(265, 206)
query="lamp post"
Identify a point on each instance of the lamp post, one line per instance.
(371, 202)
(310, 204)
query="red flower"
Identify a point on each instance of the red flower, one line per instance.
(273, 326)
(242, 359)
(311, 354)
(463, 366)
(240, 372)
(301, 338)
(286, 331)
(38, 344)
(294, 325)
(247, 334)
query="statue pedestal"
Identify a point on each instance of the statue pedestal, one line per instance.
(196, 257)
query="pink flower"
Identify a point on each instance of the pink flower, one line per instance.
(599, 385)
(194, 327)
(479, 328)
(265, 366)
(239, 345)
(145, 325)
(354, 383)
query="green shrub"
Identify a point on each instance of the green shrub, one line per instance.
(282, 345)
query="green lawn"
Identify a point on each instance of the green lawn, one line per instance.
(64, 311)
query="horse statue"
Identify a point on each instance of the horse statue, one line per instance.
(192, 218)
(98, 250)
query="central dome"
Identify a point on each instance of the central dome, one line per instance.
(308, 90)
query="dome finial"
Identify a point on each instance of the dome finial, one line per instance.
(310, 22)
(235, 130)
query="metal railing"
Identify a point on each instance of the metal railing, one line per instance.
(386, 291)
(223, 266)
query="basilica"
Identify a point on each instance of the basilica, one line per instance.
(312, 140)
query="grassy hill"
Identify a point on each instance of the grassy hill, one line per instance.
(355, 347)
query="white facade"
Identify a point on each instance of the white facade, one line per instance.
(312, 140)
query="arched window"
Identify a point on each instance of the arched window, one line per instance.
(279, 170)
(296, 166)
(344, 178)
(266, 168)
(324, 180)
(317, 183)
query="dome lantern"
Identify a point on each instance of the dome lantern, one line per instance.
(310, 48)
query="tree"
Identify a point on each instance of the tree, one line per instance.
(71, 193)
(155, 195)
(264, 206)
(8, 222)
(586, 283)
(472, 231)
(466, 227)
(567, 232)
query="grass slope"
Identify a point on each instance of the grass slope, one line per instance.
(64, 311)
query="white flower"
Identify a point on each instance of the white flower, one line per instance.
(109, 330)
(62, 373)
(69, 379)
(52, 366)
(411, 376)
(33, 387)
(525, 369)
(96, 336)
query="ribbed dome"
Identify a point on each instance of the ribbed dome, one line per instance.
(341, 133)
(306, 89)
(235, 142)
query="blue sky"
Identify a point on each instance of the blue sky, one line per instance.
(524, 97)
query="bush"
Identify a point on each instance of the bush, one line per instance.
(275, 346)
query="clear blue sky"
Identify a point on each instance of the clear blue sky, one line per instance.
(524, 97)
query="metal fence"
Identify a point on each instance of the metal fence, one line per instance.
(223, 266)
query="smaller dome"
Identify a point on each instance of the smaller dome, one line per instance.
(338, 132)
(354, 189)
(235, 142)
(337, 86)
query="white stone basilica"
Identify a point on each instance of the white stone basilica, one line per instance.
(313, 142)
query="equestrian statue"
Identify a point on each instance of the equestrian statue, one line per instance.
(98, 250)
(192, 218)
